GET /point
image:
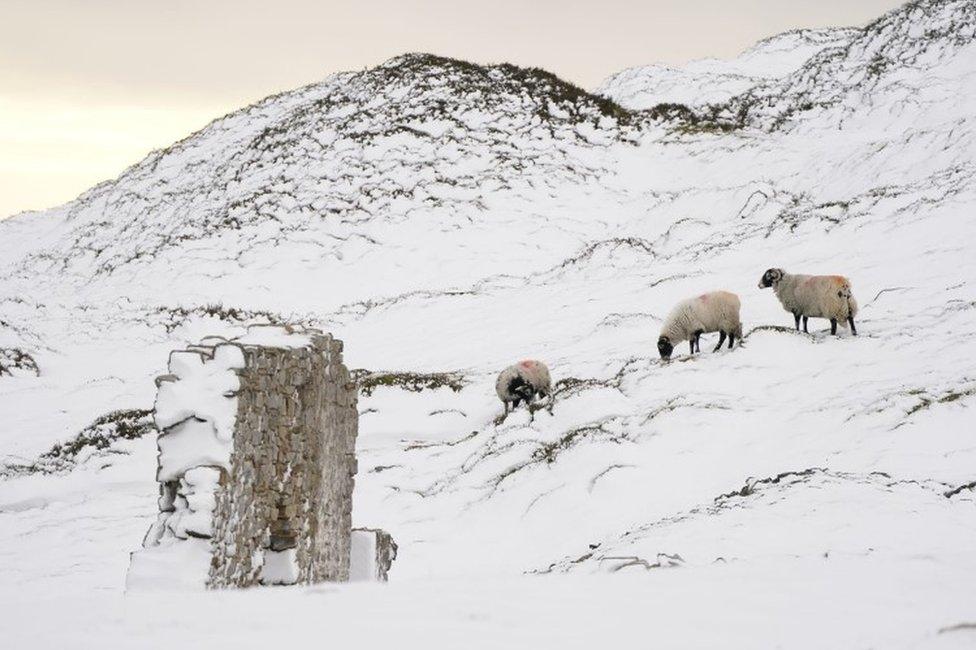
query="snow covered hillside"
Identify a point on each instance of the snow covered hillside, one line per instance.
(446, 219)
(712, 81)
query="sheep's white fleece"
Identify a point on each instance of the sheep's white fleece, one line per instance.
(817, 296)
(715, 311)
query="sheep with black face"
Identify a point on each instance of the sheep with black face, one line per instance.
(816, 296)
(715, 311)
(523, 382)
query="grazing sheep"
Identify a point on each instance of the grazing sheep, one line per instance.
(523, 382)
(816, 296)
(716, 311)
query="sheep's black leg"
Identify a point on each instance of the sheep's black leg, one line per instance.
(796, 317)
(805, 325)
(731, 339)
(721, 340)
(698, 340)
(850, 321)
(833, 326)
(515, 403)
(691, 344)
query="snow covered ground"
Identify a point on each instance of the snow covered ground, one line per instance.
(801, 491)
(711, 81)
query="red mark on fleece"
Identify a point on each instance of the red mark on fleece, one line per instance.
(527, 363)
(703, 297)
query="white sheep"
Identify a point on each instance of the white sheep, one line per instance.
(816, 296)
(716, 311)
(523, 382)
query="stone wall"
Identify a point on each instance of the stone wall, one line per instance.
(290, 486)
(257, 461)
(373, 553)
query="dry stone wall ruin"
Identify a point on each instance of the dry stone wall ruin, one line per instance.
(257, 439)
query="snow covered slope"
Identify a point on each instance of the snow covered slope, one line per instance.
(712, 81)
(445, 220)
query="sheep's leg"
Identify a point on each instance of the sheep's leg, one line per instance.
(698, 340)
(796, 317)
(551, 398)
(691, 344)
(850, 321)
(833, 326)
(805, 325)
(515, 403)
(731, 339)
(721, 340)
(537, 406)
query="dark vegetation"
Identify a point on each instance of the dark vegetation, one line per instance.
(98, 437)
(547, 452)
(177, 316)
(686, 120)
(413, 382)
(489, 84)
(15, 360)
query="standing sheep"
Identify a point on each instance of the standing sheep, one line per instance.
(817, 296)
(523, 382)
(716, 311)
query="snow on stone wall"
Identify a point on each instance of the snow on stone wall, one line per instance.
(257, 443)
(373, 552)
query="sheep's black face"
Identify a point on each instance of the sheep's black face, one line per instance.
(518, 387)
(770, 278)
(664, 347)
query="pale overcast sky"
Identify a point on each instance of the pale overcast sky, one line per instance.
(89, 87)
